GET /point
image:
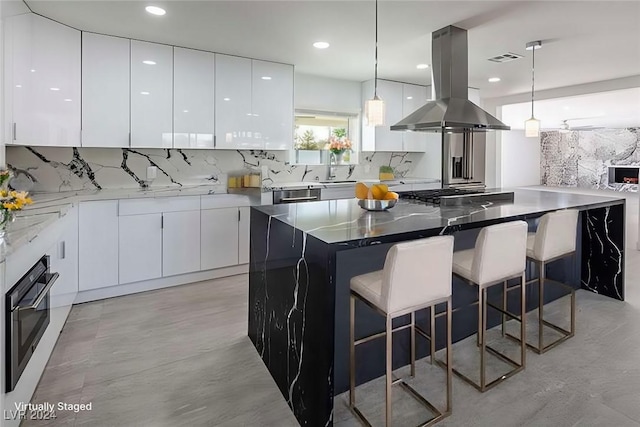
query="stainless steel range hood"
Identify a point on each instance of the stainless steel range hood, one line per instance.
(451, 111)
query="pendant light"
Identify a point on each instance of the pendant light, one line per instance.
(374, 108)
(532, 126)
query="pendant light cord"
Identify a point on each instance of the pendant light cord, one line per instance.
(375, 79)
(533, 77)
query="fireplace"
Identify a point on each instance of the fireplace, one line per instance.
(623, 174)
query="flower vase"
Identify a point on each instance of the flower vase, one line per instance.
(339, 157)
(5, 218)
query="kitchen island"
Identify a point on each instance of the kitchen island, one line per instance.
(303, 256)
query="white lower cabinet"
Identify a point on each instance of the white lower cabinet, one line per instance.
(180, 242)
(140, 247)
(98, 244)
(219, 244)
(64, 260)
(243, 235)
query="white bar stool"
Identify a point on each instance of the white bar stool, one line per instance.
(416, 275)
(499, 255)
(554, 239)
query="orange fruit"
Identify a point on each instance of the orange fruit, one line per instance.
(391, 195)
(378, 191)
(362, 191)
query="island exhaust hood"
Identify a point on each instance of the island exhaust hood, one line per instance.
(451, 111)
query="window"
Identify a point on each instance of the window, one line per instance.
(315, 130)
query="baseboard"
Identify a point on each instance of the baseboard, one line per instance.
(164, 282)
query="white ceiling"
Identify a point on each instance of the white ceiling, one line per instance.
(583, 41)
(614, 109)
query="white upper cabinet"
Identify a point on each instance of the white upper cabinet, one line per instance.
(400, 100)
(413, 97)
(105, 91)
(151, 95)
(272, 104)
(254, 104)
(193, 98)
(233, 104)
(42, 83)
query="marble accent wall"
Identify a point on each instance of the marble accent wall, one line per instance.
(65, 169)
(582, 158)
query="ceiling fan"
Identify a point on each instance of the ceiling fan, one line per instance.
(565, 127)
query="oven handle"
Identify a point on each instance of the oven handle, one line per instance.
(298, 199)
(43, 293)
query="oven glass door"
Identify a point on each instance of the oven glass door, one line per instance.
(29, 321)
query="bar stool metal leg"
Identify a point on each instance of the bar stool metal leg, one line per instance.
(389, 372)
(352, 352)
(413, 344)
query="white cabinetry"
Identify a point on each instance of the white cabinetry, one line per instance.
(272, 104)
(233, 103)
(98, 244)
(193, 98)
(413, 97)
(181, 242)
(401, 99)
(151, 95)
(105, 91)
(219, 244)
(140, 247)
(64, 260)
(42, 82)
(244, 243)
(254, 104)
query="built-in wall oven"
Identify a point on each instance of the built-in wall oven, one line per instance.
(27, 314)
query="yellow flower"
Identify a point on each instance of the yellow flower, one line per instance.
(4, 193)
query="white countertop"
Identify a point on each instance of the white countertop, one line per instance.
(49, 207)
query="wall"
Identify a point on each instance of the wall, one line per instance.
(520, 159)
(582, 158)
(66, 169)
(325, 94)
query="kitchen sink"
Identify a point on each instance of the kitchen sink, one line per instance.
(338, 181)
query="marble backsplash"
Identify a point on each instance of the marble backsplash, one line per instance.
(65, 169)
(582, 158)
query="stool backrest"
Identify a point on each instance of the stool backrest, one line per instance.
(556, 234)
(500, 251)
(417, 272)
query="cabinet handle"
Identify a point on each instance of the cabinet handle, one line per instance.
(162, 222)
(62, 250)
(239, 215)
(214, 141)
(14, 131)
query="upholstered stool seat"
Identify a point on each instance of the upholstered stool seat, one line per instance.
(555, 238)
(416, 275)
(499, 255)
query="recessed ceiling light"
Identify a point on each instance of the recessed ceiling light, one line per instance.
(266, 78)
(67, 100)
(226, 99)
(54, 88)
(494, 79)
(422, 66)
(321, 45)
(155, 10)
(149, 62)
(18, 85)
(409, 97)
(33, 71)
(185, 111)
(566, 107)
(144, 93)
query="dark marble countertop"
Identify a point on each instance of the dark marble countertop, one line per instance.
(338, 221)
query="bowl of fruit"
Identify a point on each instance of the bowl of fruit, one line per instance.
(375, 198)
